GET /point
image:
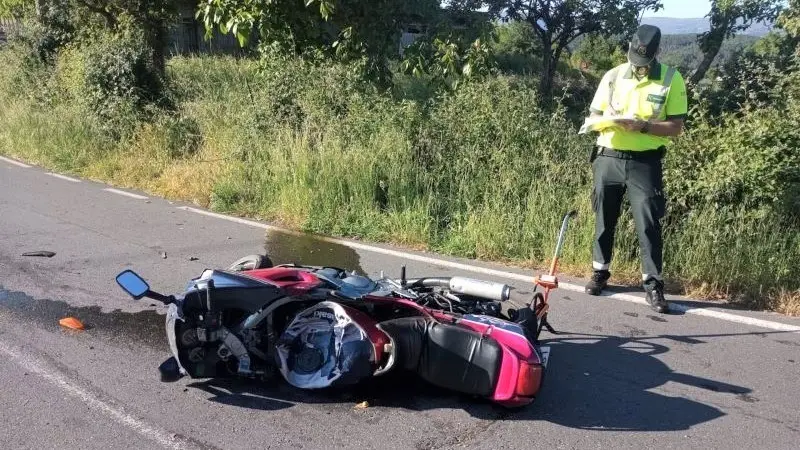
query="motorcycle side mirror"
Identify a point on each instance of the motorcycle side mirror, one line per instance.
(133, 284)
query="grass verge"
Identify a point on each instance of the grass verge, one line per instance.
(480, 173)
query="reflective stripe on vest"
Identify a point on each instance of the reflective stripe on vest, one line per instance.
(664, 90)
(611, 85)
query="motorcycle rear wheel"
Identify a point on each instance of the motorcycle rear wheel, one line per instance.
(251, 262)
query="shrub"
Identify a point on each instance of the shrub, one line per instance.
(112, 77)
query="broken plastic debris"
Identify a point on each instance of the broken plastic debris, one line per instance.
(43, 253)
(362, 405)
(71, 322)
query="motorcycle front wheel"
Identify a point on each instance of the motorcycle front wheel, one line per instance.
(251, 262)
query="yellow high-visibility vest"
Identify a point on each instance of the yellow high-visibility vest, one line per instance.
(659, 96)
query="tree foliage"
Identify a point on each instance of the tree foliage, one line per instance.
(789, 19)
(446, 61)
(343, 28)
(728, 17)
(599, 53)
(558, 23)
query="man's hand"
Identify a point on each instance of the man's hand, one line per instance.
(672, 127)
(630, 124)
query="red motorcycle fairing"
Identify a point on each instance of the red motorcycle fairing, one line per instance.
(294, 281)
(523, 365)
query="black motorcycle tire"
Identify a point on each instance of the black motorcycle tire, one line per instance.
(251, 262)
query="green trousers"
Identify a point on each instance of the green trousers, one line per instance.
(642, 179)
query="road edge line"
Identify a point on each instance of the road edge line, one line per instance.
(14, 162)
(503, 274)
(64, 177)
(149, 431)
(126, 194)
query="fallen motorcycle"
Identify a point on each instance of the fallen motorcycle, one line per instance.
(323, 327)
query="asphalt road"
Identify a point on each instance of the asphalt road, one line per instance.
(620, 376)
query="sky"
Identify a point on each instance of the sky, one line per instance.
(682, 8)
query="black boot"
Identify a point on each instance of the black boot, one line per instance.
(598, 282)
(655, 296)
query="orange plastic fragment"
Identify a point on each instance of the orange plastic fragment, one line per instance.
(71, 322)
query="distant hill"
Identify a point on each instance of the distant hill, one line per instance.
(682, 50)
(671, 25)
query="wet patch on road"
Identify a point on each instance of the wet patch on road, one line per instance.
(284, 248)
(145, 327)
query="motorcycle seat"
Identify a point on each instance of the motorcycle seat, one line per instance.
(446, 355)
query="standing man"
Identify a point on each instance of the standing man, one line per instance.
(628, 157)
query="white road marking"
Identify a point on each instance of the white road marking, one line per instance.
(510, 275)
(14, 162)
(127, 194)
(151, 432)
(63, 177)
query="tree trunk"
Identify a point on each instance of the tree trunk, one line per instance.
(546, 76)
(708, 59)
(548, 66)
(159, 43)
(156, 37)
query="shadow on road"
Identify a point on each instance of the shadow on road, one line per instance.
(606, 383)
(594, 382)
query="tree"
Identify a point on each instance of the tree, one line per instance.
(789, 19)
(727, 17)
(64, 17)
(345, 28)
(152, 17)
(558, 23)
(599, 53)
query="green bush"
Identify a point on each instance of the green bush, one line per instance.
(478, 171)
(747, 163)
(118, 82)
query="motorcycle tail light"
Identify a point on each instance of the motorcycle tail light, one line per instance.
(529, 379)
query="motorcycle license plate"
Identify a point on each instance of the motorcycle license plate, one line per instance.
(545, 352)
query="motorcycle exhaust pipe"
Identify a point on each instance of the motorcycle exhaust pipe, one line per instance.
(467, 286)
(498, 292)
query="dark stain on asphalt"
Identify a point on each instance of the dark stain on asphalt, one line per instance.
(145, 327)
(656, 319)
(633, 331)
(631, 314)
(796, 344)
(747, 398)
(42, 253)
(283, 248)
